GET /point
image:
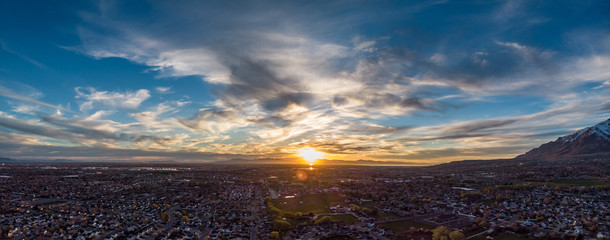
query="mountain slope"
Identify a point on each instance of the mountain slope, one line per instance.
(587, 141)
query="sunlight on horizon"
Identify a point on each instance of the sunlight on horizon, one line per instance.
(310, 155)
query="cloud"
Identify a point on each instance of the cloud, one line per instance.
(163, 90)
(284, 78)
(213, 121)
(11, 94)
(26, 58)
(155, 119)
(186, 62)
(27, 151)
(462, 152)
(477, 125)
(127, 100)
(89, 131)
(32, 127)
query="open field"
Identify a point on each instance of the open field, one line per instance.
(347, 218)
(315, 203)
(381, 215)
(502, 236)
(561, 182)
(580, 182)
(508, 236)
(341, 237)
(404, 225)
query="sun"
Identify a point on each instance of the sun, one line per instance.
(310, 155)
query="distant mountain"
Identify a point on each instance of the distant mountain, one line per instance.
(3, 159)
(589, 141)
(320, 162)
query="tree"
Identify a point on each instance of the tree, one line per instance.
(324, 219)
(165, 216)
(273, 211)
(274, 235)
(441, 232)
(185, 219)
(457, 235)
(500, 197)
(289, 215)
(281, 225)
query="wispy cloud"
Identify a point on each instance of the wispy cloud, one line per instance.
(6, 92)
(128, 100)
(24, 57)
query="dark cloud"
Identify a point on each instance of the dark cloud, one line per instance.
(73, 131)
(605, 106)
(446, 137)
(23, 126)
(208, 120)
(370, 101)
(478, 125)
(376, 129)
(452, 152)
(252, 79)
(270, 121)
(87, 132)
(286, 99)
(335, 147)
(8, 149)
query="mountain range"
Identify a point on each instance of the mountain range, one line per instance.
(590, 141)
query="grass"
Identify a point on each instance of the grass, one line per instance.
(340, 237)
(507, 236)
(404, 225)
(52, 203)
(564, 182)
(347, 218)
(487, 201)
(381, 215)
(315, 203)
(580, 182)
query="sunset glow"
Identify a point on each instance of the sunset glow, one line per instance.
(310, 155)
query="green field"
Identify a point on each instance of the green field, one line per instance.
(507, 236)
(381, 215)
(52, 203)
(560, 182)
(315, 203)
(502, 236)
(580, 182)
(404, 225)
(347, 218)
(340, 237)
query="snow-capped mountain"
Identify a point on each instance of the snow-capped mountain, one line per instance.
(587, 141)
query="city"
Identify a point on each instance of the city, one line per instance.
(127, 201)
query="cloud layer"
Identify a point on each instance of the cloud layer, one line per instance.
(428, 82)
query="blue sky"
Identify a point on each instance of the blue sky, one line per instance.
(422, 82)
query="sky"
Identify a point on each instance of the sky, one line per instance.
(417, 82)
